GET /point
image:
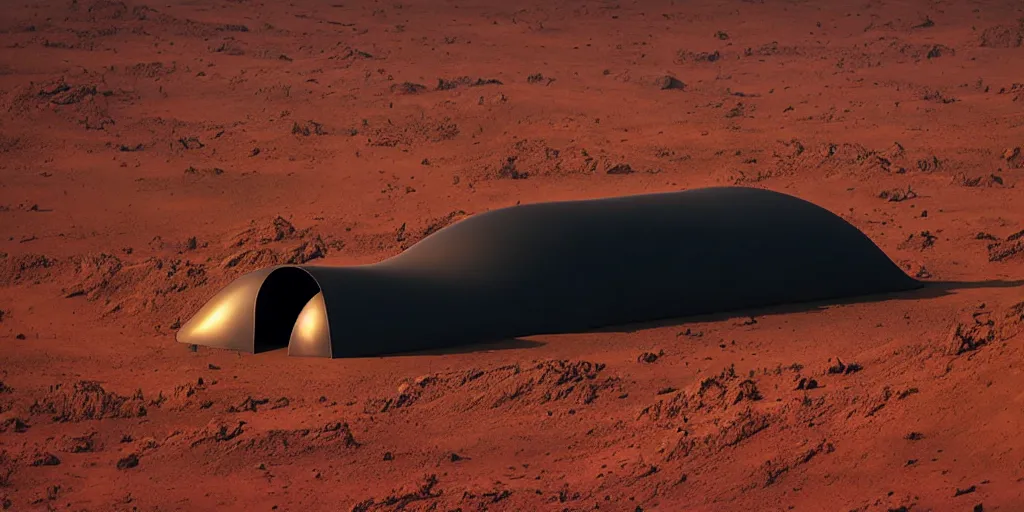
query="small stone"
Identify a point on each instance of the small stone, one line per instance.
(621, 168)
(669, 82)
(46, 459)
(128, 462)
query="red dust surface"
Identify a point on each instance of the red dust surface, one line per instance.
(151, 152)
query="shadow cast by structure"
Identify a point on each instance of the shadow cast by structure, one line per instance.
(552, 268)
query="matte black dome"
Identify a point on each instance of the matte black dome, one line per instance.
(553, 268)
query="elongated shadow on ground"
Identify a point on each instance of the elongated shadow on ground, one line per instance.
(930, 290)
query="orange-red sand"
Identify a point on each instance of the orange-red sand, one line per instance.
(152, 152)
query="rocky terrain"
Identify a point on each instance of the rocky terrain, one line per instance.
(150, 153)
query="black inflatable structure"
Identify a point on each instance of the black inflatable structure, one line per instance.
(556, 267)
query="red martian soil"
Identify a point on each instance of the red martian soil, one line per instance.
(154, 151)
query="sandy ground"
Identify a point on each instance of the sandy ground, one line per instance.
(150, 153)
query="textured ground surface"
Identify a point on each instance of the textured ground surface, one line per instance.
(151, 152)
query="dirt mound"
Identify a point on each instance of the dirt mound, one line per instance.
(149, 286)
(829, 159)
(536, 157)
(276, 242)
(15, 425)
(774, 49)
(1014, 157)
(742, 426)
(81, 98)
(1012, 323)
(719, 392)
(147, 70)
(400, 499)
(726, 411)
(190, 396)
(6, 402)
(991, 180)
(889, 50)
(1002, 36)
(94, 274)
(24, 268)
(564, 381)
(918, 241)
(100, 10)
(1016, 93)
(302, 440)
(9, 145)
(774, 468)
(410, 131)
(983, 326)
(698, 57)
(87, 400)
(87, 443)
(276, 230)
(1010, 247)
(239, 439)
(124, 15)
(857, 159)
(7, 465)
